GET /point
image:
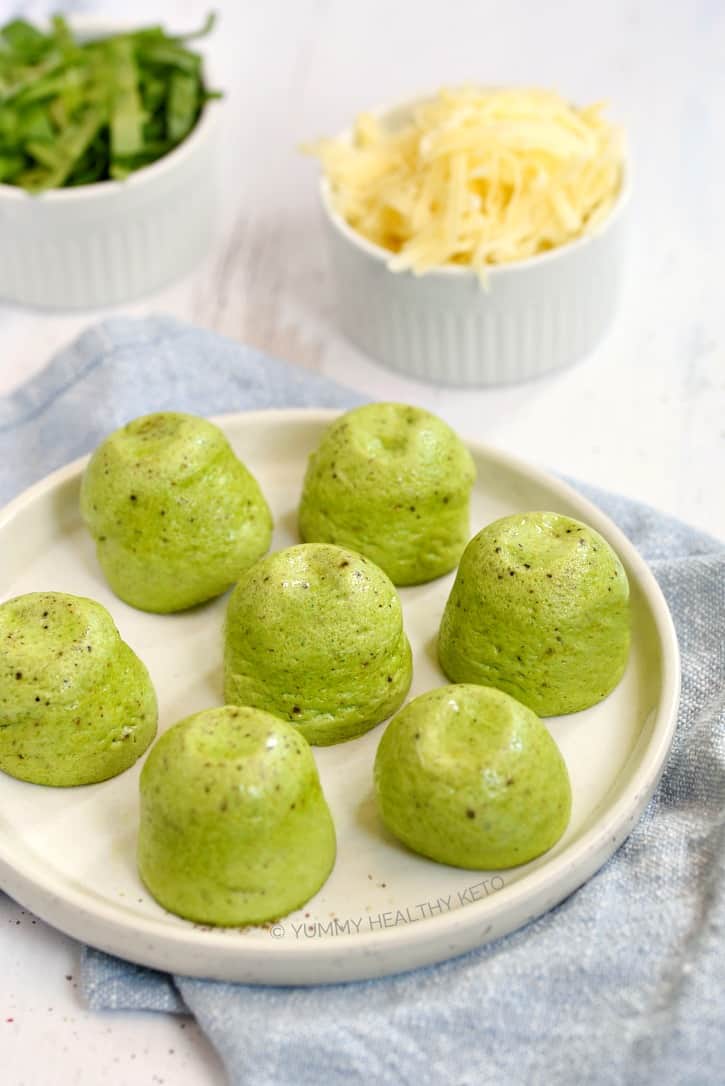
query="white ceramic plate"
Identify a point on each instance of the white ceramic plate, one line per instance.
(68, 855)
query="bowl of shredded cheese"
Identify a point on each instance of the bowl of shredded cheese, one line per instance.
(477, 237)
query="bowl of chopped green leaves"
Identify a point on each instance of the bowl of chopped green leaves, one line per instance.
(107, 149)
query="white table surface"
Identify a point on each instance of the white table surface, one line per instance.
(643, 415)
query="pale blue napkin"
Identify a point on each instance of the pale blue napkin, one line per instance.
(623, 983)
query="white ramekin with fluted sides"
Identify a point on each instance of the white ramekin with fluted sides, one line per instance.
(534, 316)
(111, 241)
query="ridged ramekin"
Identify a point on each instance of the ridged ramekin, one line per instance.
(534, 316)
(111, 241)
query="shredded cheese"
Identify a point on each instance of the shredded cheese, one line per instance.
(475, 177)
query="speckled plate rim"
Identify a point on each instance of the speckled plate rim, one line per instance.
(210, 953)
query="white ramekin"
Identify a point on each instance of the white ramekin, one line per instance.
(534, 316)
(111, 241)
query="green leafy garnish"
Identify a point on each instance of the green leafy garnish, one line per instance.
(72, 112)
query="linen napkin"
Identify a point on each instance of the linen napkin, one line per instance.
(621, 983)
